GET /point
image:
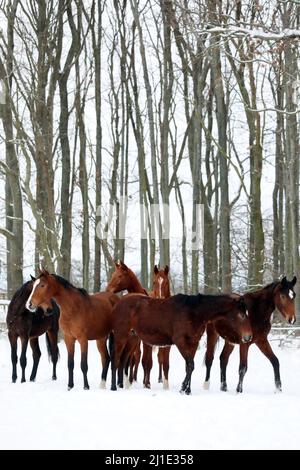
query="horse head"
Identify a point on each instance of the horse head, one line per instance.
(161, 283)
(120, 279)
(42, 294)
(284, 297)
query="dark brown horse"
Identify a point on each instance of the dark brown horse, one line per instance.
(28, 326)
(260, 304)
(83, 317)
(179, 320)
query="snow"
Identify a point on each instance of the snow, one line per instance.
(44, 415)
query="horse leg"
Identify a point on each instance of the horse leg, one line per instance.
(105, 359)
(128, 372)
(147, 364)
(266, 349)
(23, 359)
(117, 345)
(122, 364)
(127, 358)
(83, 363)
(53, 352)
(165, 364)
(70, 344)
(36, 354)
(227, 350)
(212, 338)
(243, 366)
(136, 360)
(13, 339)
(160, 364)
(186, 384)
(188, 352)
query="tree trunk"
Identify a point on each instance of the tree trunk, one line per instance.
(13, 203)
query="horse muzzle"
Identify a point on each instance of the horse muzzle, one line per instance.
(30, 307)
(292, 320)
(246, 338)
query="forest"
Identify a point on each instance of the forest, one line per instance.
(110, 108)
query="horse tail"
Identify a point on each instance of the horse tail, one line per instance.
(49, 350)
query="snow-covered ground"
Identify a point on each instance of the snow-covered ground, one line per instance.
(44, 415)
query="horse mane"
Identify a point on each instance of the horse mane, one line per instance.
(67, 285)
(269, 286)
(23, 290)
(188, 300)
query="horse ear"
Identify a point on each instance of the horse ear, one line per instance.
(32, 278)
(44, 271)
(293, 281)
(155, 269)
(166, 269)
(284, 281)
(117, 264)
(123, 265)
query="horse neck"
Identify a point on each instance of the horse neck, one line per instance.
(69, 300)
(263, 300)
(135, 287)
(215, 309)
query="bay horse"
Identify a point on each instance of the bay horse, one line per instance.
(123, 278)
(178, 320)
(83, 317)
(28, 326)
(260, 305)
(161, 290)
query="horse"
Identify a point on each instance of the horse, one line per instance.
(123, 278)
(28, 326)
(261, 305)
(161, 290)
(178, 320)
(83, 317)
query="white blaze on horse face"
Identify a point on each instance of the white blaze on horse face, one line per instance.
(160, 281)
(36, 283)
(291, 294)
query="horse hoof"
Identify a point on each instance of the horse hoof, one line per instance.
(239, 390)
(160, 381)
(70, 387)
(54, 378)
(188, 391)
(113, 388)
(86, 387)
(102, 384)
(22, 381)
(32, 380)
(206, 385)
(223, 387)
